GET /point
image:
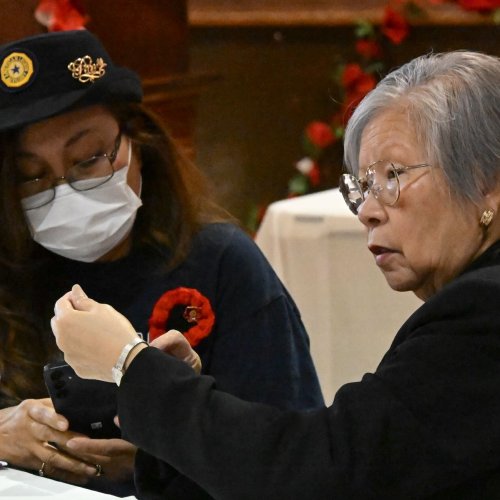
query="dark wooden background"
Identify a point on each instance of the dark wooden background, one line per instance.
(275, 60)
(237, 81)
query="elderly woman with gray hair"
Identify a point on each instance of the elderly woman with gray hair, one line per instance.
(423, 152)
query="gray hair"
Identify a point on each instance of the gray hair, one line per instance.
(453, 103)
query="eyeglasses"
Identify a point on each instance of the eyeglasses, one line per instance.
(383, 179)
(82, 176)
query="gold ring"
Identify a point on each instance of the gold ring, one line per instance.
(41, 470)
(98, 470)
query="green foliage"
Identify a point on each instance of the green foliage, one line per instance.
(298, 184)
(364, 29)
(414, 12)
(252, 222)
(496, 16)
(310, 149)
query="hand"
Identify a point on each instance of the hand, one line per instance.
(27, 429)
(90, 334)
(115, 456)
(175, 344)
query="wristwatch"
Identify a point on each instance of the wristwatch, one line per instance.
(118, 370)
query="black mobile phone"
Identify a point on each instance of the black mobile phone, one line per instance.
(89, 405)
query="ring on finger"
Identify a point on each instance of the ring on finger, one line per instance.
(98, 470)
(41, 470)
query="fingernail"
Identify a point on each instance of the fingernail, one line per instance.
(71, 444)
(61, 425)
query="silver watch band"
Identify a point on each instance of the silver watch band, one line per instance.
(118, 370)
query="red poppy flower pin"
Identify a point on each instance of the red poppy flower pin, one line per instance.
(183, 309)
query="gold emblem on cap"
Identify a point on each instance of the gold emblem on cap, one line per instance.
(16, 70)
(84, 69)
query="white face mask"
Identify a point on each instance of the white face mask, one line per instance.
(85, 225)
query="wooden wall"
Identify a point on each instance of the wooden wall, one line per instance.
(274, 60)
(150, 36)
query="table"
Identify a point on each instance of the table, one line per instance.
(16, 485)
(318, 249)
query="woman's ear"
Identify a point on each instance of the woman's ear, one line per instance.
(492, 199)
(489, 214)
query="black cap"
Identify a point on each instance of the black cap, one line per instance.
(44, 75)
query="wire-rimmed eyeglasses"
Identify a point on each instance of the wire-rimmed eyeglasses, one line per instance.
(383, 179)
(82, 176)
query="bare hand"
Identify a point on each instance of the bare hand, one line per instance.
(90, 334)
(115, 456)
(175, 344)
(26, 431)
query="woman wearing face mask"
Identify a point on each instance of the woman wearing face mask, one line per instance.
(93, 191)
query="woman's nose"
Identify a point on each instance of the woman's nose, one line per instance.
(371, 212)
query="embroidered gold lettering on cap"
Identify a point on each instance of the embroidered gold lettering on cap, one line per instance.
(84, 69)
(16, 70)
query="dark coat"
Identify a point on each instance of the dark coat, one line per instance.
(426, 424)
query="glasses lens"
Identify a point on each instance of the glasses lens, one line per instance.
(351, 191)
(90, 173)
(35, 193)
(383, 182)
(38, 200)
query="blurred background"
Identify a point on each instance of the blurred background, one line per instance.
(238, 82)
(278, 63)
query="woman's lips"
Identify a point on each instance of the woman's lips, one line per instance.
(382, 254)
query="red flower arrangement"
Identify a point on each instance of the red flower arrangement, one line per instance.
(184, 309)
(369, 49)
(479, 5)
(355, 79)
(61, 15)
(357, 83)
(320, 134)
(395, 27)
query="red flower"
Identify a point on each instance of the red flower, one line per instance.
(60, 15)
(394, 26)
(479, 5)
(351, 74)
(370, 49)
(354, 79)
(320, 134)
(197, 311)
(314, 175)
(356, 82)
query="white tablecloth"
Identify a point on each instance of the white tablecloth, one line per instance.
(19, 485)
(318, 249)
